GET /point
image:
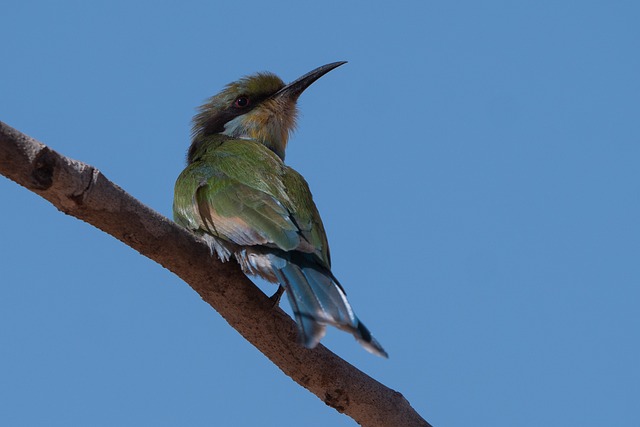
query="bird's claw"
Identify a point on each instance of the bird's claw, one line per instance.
(275, 298)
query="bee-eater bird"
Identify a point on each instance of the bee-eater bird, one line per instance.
(237, 193)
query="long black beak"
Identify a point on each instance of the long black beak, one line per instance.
(294, 89)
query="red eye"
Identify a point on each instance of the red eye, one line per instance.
(241, 102)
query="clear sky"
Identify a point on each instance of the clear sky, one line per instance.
(475, 163)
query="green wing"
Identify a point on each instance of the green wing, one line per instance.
(241, 192)
(306, 214)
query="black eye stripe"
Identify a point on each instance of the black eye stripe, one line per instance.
(215, 123)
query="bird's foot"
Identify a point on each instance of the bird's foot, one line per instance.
(275, 298)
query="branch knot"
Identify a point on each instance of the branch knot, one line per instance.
(44, 165)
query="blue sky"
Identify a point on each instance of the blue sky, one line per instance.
(475, 163)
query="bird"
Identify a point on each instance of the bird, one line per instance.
(237, 193)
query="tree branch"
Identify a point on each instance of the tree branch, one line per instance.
(82, 191)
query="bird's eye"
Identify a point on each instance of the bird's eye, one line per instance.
(241, 102)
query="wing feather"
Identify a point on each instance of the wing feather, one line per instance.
(241, 192)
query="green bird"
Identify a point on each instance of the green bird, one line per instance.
(238, 194)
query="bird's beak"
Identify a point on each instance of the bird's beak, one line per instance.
(293, 90)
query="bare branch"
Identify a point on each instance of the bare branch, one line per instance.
(80, 190)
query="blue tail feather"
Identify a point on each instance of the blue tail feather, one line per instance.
(317, 300)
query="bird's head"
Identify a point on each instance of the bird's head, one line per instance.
(259, 107)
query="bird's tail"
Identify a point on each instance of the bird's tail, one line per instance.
(317, 300)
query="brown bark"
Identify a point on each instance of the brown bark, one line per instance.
(80, 190)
